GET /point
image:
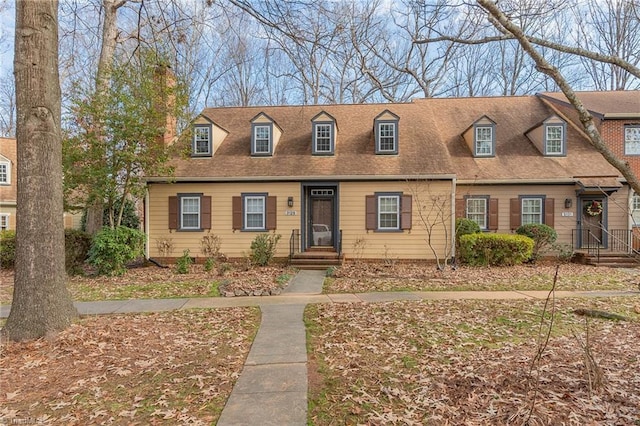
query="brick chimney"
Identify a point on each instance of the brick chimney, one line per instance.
(166, 82)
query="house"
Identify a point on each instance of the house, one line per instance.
(381, 180)
(9, 191)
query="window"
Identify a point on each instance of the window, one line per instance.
(389, 212)
(5, 172)
(323, 138)
(387, 138)
(635, 209)
(554, 140)
(477, 211)
(261, 140)
(4, 221)
(202, 140)
(632, 140)
(254, 212)
(484, 141)
(532, 210)
(189, 212)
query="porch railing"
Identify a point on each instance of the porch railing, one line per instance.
(615, 240)
(339, 245)
(294, 243)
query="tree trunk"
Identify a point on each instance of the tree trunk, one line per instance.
(41, 303)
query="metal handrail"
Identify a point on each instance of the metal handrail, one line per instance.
(339, 245)
(294, 242)
(590, 239)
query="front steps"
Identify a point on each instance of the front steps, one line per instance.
(612, 260)
(319, 258)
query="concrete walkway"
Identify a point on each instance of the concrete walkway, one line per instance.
(272, 388)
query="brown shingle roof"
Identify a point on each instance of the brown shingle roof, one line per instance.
(430, 143)
(604, 103)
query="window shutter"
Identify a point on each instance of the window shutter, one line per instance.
(236, 207)
(549, 214)
(406, 215)
(460, 208)
(515, 213)
(371, 216)
(493, 214)
(173, 212)
(205, 212)
(272, 213)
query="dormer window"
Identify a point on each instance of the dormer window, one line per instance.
(5, 172)
(386, 132)
(202, 141)
(484, 141)
(555, 142)
(261, 144)
(323, 134)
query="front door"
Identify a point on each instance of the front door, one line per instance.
(321, 218)
(592, 224)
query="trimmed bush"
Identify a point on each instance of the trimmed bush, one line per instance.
(112, 249)
(465, 226)
(7, 249)
(495, 249)
(76, 250)
(263, 248)
(543, 236)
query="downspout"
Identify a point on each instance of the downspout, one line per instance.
(146, 222)
(453, 217)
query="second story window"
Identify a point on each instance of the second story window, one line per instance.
(5, 171)
(202, 140)
(387, 138)
(484, 141)
(632, 139)
(261, 143)
(323, 138)
(554, 139)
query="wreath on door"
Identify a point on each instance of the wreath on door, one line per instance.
(594, 208)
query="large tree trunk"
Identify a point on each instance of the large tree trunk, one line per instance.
(94, 219)
(41, 303)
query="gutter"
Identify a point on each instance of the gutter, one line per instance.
(332, 178)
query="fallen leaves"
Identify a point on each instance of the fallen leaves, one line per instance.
(178, 367)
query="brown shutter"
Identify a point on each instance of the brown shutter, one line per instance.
(173, 212)
(371, 217)
(236, 207)
(272, 213)
(514, 212)
(549, 213)
(460, 210)
(493, 214)
(406, 214)
(205, 212)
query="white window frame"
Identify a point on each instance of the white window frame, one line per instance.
(323, 136)
(480, 215)
(388, 212)
(531, 211)
(4, 222)
(558, 143)
(262, 139)
(249, 211)
(195, 213)
(635, 210)
(632, 140)
(387, 133)
(199, 137)
(482, 142)
(6, 175)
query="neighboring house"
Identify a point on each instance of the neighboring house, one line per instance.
(9, 192)
(380, 180)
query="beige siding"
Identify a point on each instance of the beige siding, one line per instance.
(537, 137)
(565, 219)
(430, 197)
(234, 243)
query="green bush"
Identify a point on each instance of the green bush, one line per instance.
(465, 226)
(76, 250)
(543, 236)
(112, 249)
(7, 249)
(183, 263)
(263, 248)
(495, 249)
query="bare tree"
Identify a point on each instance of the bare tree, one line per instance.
(7, 105)
(41, 303)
